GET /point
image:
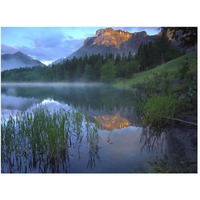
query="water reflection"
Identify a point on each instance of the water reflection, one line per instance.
(96, 98)
(95, 101)
(17, 103)
(152, 139)
(110, 122)
(121, 146)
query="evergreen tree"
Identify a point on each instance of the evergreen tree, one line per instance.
(130, 57)
(117, 59)
(88, 74)
(108, 72)
(97, 69)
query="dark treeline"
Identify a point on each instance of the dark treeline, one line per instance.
(152, 54)
(99, 67)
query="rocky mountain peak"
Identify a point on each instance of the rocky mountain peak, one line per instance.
(108, 37)
(102, 31)
(140, 34)
(18, 53)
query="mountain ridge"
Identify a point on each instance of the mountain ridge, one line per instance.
(17, 60)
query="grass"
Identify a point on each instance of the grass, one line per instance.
(156, 109)
(164, 166)
(41, 140)
(172, 68)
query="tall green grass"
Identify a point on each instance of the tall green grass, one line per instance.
(154, 110)
(41, 140)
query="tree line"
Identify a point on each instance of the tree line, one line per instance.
(99, 67)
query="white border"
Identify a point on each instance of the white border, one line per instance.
(99, 13)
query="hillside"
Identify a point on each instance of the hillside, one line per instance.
(172, 67)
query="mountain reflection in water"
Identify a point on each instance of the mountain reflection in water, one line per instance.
(110, 122)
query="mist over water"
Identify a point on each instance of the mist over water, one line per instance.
(51, 84)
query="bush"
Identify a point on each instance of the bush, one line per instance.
(108, 72)
(184, 69)
(153, 110)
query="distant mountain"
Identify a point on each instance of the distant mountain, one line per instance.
(57, 61)
(111, 41)
(17, 60)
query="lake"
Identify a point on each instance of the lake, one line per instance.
(124, 146)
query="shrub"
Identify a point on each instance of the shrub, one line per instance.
(184, 69)
(153, 110)
(108, 72)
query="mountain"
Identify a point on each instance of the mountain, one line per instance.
(57, 61)
(17, 60)
(111, 41)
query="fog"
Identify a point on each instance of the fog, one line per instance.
(13, 63)
(52, 84)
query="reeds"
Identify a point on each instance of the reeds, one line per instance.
(39, 141)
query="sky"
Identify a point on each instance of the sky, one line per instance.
(48, 44)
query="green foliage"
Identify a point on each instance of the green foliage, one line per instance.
(120, 68)
(156, 109)
(164, 166)
(76, 69)
(169, 70)
(131, 68)
(159, 52)
(88, 74)
(184, 69)
(164, 95)
(97, 69)
(66, 76)
(127, 69)
(192, 89)
(108, 72)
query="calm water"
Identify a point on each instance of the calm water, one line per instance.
(124, 146)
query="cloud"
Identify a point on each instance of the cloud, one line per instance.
(149, 30)
(69, 37)
(8, 49)
(50, 42)
(88, 35)
(51, 48)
